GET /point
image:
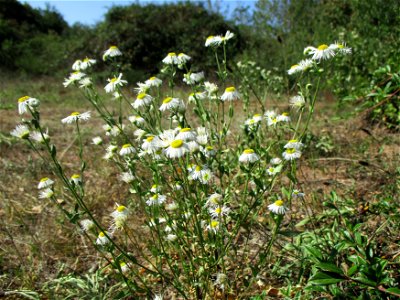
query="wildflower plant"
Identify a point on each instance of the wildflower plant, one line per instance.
(211, 201)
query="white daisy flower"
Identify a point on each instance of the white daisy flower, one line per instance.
(192, 78)
(291, 154)
(193, 146)
(119, 215)
(257, 118)
(211, 89)
(183, 58)
(167, 137)
(230, 94)
(21, 131)
(221, 281)
(125, 267)
(213, 41)
(341, 48)
(112, 148)
(186, 134)
(73, 77)
(87, 225)
(294, 69)
(171, 206)
(297, 102)
(141, 88)
(214, 226)
(127, 149)
(283, 117)
(38, 137)
(45, 182)
(294, 144)
(158, 297)
(115, 130)
(278, 208)
(271, 117)
(102, 239)
(206, 176)
(151, 144)
(275, 161)
(76, 66)
(113, 51)
(177, 148)
(208, 151)
(86, 63)
(156, 199)
(115, 83)
(137, 120)
(214, 200)
(248, 156)
(25, 102)
(171, 237)
(127, 177)
(97, 140)
(322, 52)
(202, 136)
(272, 171)
(76, 179)
(85, 82)
(297, 194)
(197, 96)
(139, 133)
(219, 211)
(169, 103)
(228, 35)
(155, 188)
(142, 99)
(153, 82)
(46, 193)
(171, 59)
(75, 117)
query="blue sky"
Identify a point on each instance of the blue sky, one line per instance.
(90, 12)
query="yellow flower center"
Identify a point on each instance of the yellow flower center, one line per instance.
(257, 115)
(86, 59)
(185, 129)
(150, 138)
(23, 99)
(230, 89)
(293, 141)
(121, 208)
(290, 151)
(181, 54)
(294, 66)
(214, 224)
(167, 100)
(279, 203)
(153, 78)
(155, 197)
(198, 168)
(210, 37)
(76, 176)
(209, 148)
(154, 186)
(114, 79)
(248, 151)
(285, 114)
(177, 144)
(141, 96)
(101, 234)
(44, 179)
(172, 54)
(126, 146)
(218, 210)
(113, 48)
(322, 47)
(75, 113)
(25, 135)
(340, 46)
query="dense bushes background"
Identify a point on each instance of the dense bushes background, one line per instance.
(273, 35)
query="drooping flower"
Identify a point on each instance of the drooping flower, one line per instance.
(142, 99)
(45, 182)
(25, 102)
(294, 144)
(73, 77)
(46, 193)
(177, 148)
(127, 177)
(76, 179)
(153, 81)
(21, 131)
(113, 51)
(297, 102)
(322, 52)
(156, 199)
(97, 140)
(192, 78)
(75, 117)
(171, 59)
(119, 215)
(114, 83)
(230, 94)
(170, 103)
(127, 149)
(277, 207)
(183, 58)
(291, 154)
(248, 156)
(87, 225)
(102, 239)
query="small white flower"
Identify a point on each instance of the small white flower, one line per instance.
(228, 35)
(171, 59)
(87, 225)
(272, 171)
(297, 194)
(76, 66)
(283, 117)
(45, 183)
(248, 156)
(170, 103)
(39, 137)
(192, 78)
(197, 96)
(219, 211)
(46, 193)
(137, 120)
(294, 144)
(142, 87)
(322, 52)
(171, 237)
(297, 102)
(193, 146)
(341, 48)
(302, 66)
(25, 102)
(102, 239)
(21, 131)
(113, 51)
(183, 58)
(276, 161)
(211, 88)
(155, 188)
(291, 154)
(75, 117)
(139, 133)
(202, 136)
(153, 81)
(213, 226)
(214, 200)
(230, 94)
(73, 77)
(119, 215)
(142, 99)
(127, 149)
(76, 179)
(186, 134)
(277, 207)
(127, 177)
(125, 268)
(213, 41)
(177, 148)
(151, 144)
(85, 82)
(221, 280)
(86, 63)
(172, 206)
(156, 199)
(97, 140)
(115, 83)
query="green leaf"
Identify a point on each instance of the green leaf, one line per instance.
(303, 222)
(365, 281)
(352, 270)
(329, 267)
(324, 278)
(314, 252)
(53, 151)
(394, 290)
